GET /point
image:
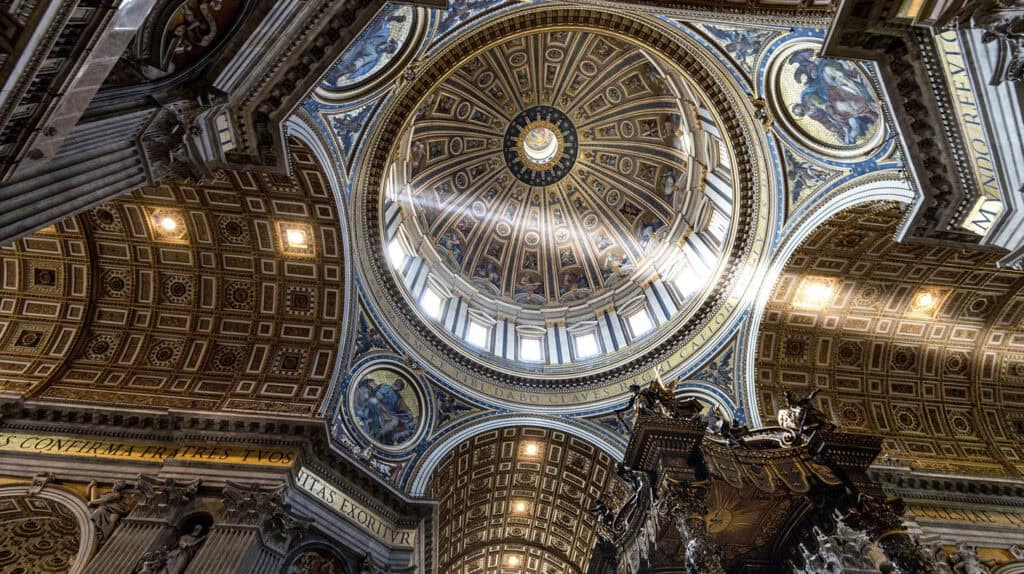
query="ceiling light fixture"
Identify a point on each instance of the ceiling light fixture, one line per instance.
(814, 293)
(167, 223)
(512, 561)
(924, 301)
(296, 237)
(519, 507)
(531, 449)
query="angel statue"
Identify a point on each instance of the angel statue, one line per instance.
(659, 399)
(801, 414)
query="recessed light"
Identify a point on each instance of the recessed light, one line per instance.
(531, 449)
(814, 293)
(168, 224)
(519, 507)
(513, 561)
(924, 301)
(296, 237)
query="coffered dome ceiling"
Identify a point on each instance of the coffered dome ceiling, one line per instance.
(557, 203)
(550, 168)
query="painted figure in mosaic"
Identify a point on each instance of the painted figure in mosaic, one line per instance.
(383, 411)
(836, 95)
(381, 45)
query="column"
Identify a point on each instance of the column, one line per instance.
(252, 534)
(159, 502)
(882, 519)
(685, 503)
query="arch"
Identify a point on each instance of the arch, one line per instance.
(298, 126)
(86, 529)
(436, 453)
(1016, 567)
(856, 193)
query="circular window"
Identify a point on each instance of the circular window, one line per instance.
(540, 145)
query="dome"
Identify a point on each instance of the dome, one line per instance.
(554, 176)
(554, 206)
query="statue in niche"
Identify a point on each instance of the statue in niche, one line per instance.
(153, 562)
(314, 563)
(188, 544)
(800, 414)
(108, 509)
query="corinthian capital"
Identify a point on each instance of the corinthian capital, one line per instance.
(160, 498)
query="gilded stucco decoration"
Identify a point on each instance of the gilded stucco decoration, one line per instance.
(921, 344)
(224, 296)
(37, 534)
(45, 287)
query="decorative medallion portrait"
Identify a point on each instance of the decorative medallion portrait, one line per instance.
(830, 104)
(380, 42)
(387, 407)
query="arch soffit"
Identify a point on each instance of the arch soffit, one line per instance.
(86, 529)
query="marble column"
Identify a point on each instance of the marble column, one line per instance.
(251, 535)
(159, 503)
(882, 519)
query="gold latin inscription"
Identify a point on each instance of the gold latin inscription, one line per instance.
(989, 206)
(367, 519)
(143, 451)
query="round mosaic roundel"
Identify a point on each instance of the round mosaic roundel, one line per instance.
(386, 407)
(540, 146)
(830, 105)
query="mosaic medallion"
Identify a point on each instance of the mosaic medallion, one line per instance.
(829, 105)
(387, 408)
(540, 146)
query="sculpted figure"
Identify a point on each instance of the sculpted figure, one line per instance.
(658, 399)
(800, 414)
(108, 509)
(605, 517)
(966, 560)
(188, 544)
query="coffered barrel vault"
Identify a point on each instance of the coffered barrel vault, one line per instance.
(225, 296)
(921, 344)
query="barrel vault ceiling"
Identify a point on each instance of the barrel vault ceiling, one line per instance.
(222, 312)
(922, 344)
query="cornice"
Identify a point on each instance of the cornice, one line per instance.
(309, 436)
